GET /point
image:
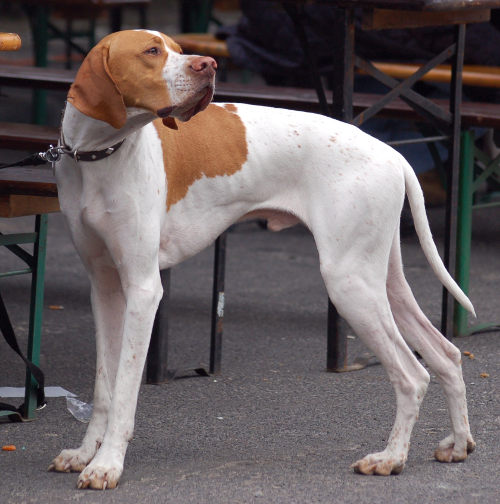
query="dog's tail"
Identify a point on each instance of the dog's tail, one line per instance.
(416, 200)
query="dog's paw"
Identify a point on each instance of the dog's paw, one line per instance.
(99, 476)
(70, 461)
(449, 451)
(381, 464)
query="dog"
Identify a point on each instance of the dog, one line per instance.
(151, 173)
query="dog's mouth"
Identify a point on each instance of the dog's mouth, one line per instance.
(165, 112)
(200, 105)
(186, 114)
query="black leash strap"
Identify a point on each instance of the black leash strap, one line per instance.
(20, 413)
(33, 160)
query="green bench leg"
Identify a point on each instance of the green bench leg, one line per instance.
(464, 231)
(36, 311)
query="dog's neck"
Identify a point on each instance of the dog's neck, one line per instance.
(83, 133)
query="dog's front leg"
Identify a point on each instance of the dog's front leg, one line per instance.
(108, 306)
(142, 293)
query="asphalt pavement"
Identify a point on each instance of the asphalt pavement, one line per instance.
(274, 426)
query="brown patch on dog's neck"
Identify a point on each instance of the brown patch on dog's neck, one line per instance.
(231, 107)
(211, 144)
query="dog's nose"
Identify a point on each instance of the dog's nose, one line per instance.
(203, 64)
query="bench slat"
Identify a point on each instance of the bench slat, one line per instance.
(39, 77)
(28, 181)
(473, 113)
(16, 205)
(21, 136)
(472, 75)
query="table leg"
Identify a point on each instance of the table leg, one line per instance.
(157, 361)
(36, 312)
(341, 108)
(218, 304)
(452, 184)
(343, 68)
(342, 89)
(157, 370)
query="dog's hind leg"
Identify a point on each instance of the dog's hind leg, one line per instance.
(359, 294)
(108, 306)
(442, 357)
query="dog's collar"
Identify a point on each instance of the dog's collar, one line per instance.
(54, 154)
(96, 155)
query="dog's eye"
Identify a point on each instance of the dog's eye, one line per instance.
(154, 51)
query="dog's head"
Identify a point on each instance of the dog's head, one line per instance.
(146, 70)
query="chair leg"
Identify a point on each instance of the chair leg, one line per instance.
(464, 226)
(36, 311)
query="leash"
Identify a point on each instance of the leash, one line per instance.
(19, 414)
(54, 154)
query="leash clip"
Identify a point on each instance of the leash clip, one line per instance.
(52, 155)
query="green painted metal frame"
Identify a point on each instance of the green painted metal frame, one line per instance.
(195, 15)
(472, 176)
(36, 267)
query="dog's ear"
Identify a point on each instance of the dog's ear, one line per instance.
(94, 93)
(170, 122)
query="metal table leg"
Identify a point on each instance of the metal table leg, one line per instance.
(36, 267)
(157, 368)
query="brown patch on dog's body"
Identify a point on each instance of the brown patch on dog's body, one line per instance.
(211, 144)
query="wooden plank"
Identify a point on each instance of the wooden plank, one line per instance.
(481, 114)
(28, 181)
(410, 5)
(83, 3)
(29, 76)
(18, 205)
(202, 43)
(473, 75)
(27, 136)
(383, 19)
(473, 113)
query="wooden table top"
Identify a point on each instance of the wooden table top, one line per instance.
(28, 181)
(415, 5)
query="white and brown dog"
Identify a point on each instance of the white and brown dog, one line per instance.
(173, 186)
